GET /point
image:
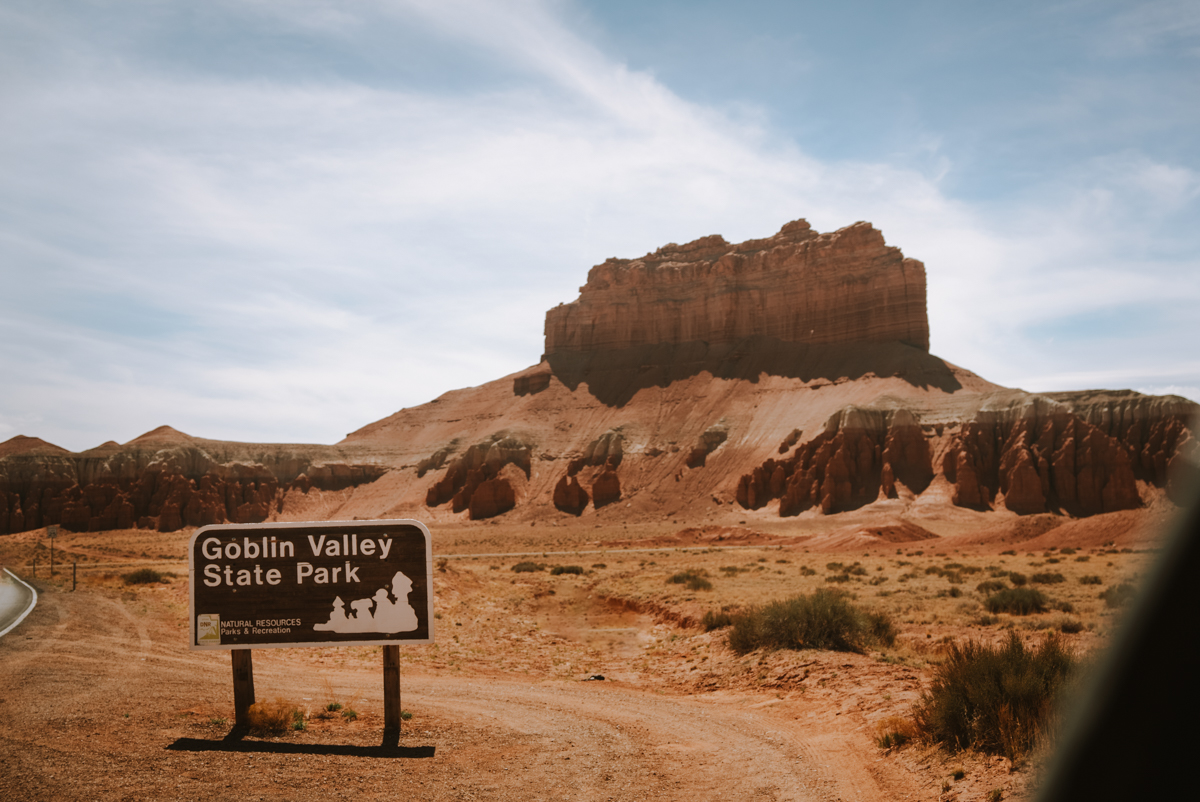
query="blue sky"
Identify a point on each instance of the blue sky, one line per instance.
(279, 221)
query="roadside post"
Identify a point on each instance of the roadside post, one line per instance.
(337, 583)
(52, 533)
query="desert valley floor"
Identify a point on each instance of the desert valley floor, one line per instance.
(101, 697)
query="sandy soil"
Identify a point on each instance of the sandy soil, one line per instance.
(100, 697)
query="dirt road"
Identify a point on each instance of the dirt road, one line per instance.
(99, 698)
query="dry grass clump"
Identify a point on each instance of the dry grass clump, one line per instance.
(824, 619)
(692, 579)
(998, 700)
(1018, 601)
(275, 717)
(144, 576)
(894, 731)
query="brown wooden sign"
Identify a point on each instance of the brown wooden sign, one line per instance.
(342, 583)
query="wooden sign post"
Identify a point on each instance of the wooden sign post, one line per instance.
(342, 583)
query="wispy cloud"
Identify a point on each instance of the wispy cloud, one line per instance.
(254, 257)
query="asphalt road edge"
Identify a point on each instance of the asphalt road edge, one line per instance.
(27, 611)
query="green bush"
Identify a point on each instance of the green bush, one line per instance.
(824, 619)
(1018, 601)
(528, 567)
(998, 700)
(1048, 578)
(1118, 595)
(566, 569)
(692, 579)
(143, 576)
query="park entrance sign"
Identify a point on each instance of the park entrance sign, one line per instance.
(348, 583)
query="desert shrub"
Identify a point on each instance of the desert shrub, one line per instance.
(1118, 595)
(716, 619)
(1090, 579)
(350, 714)
(1018, 579)
(1064, 606)
(894, 731)
(1067, 550)
(1009, 552)
(953, 593)
(599, 565)
(1082, 558)
(998, 700)
(856, 570)
(824, 619)
(692, 579)
(953, 577)
(1071, 626)
(275, 717)
(566, 569)
(838, 578)
(934, 569)
(806, 571)
(1048, 578)
(878, 580)
(1018, 601)
(990, 586)
(143, 576)
(528, 567)
(835, 566)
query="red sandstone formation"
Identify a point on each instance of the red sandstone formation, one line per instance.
(163, 480)
(797, 287)
(707, 383)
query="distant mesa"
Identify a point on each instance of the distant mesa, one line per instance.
(795, 287)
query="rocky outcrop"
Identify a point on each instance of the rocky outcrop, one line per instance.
(708, 442)
(1026, 453)
(1033, 455)
(569, 495)
(164, 480)
(796, 287)
(477, 473)
(862, 455)
(606, 487)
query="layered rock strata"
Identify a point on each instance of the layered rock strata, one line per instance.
(1025, 453)
(165, 481)
(796, 287)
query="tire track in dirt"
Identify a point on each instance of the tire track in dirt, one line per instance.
(684, 748)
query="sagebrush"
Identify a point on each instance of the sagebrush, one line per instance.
(824, 619)
(998, 700)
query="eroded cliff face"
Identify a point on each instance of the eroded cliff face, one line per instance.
(797, 287)
(164, 480)
(1078, 454)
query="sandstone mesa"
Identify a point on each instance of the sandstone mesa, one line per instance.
(706, 382)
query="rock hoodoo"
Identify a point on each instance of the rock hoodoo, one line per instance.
(797, 287)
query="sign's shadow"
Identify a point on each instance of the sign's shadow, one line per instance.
(235, 742)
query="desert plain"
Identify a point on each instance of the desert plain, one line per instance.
(103, 699)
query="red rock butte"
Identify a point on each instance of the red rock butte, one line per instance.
(796, 287)
(709, 384)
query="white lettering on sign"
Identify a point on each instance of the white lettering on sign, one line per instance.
(348, 546)
(325, 576)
